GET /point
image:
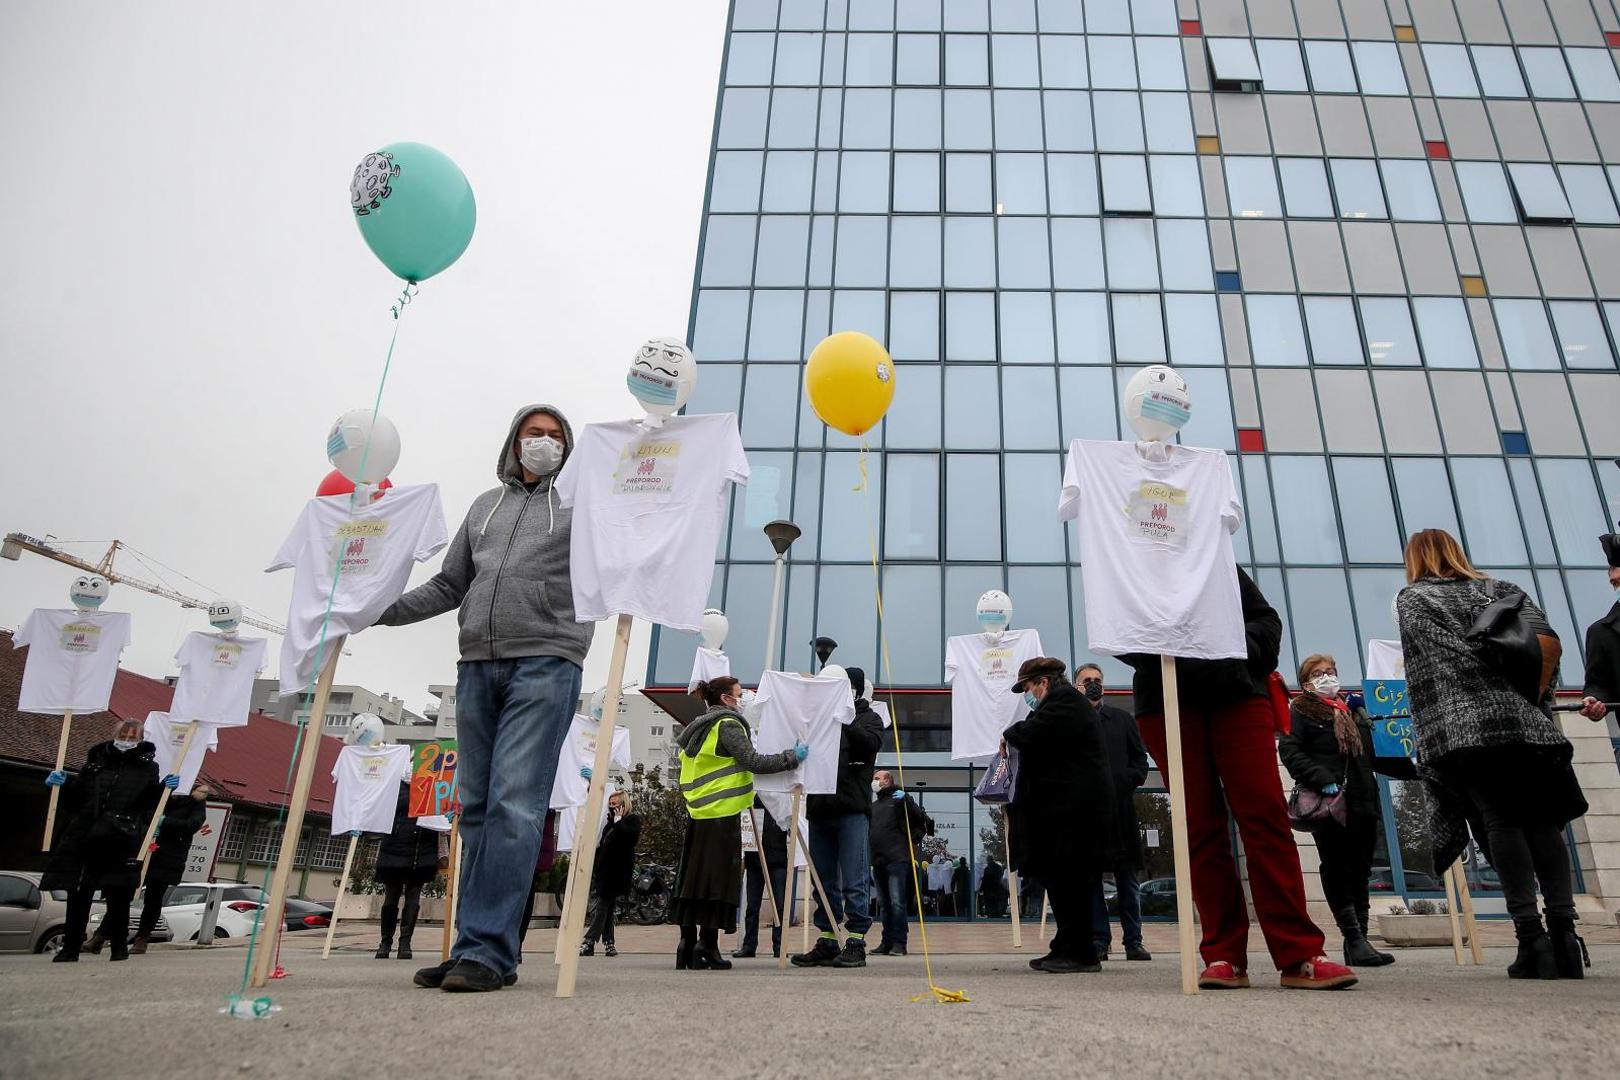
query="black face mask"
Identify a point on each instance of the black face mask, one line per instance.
(1094, 692)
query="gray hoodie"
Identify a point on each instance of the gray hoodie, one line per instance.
(506, 568)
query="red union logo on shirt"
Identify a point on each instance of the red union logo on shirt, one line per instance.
(646, 467)
(1160, 512)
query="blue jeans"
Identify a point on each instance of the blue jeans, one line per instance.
(894, 888)
(511, 718)
(1130, 910)
(838, 848)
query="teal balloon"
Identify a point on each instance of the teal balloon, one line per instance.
(414, 207)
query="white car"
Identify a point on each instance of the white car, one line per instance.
(184, 905)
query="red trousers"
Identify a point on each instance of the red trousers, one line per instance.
(1229, 760)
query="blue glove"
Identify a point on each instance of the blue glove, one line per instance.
(354, 832)
(801, 751)
(172, 782)
(898, 795)
(1330, 789)
(56, 779)
(1355, 701)
(585, 771)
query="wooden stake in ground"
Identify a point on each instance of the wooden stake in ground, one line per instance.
(826, 905)
(1451, 913)
(343, 890)
(1046, 909)
(804, 909)
(56, 792)
(1474, 948)
(573, 932)
(271, 915)
(163, 804)
(764, 868)
(566, 916)
(793, 869)
(1012, 878)
(1175, 781)
(452, 892)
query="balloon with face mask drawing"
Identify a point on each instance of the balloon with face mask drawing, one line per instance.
(1157, 403)
(363, 446)
(662, 375)
(366, 730)
(995, 611)
(88, 591)
(715, 626)
(224, 615)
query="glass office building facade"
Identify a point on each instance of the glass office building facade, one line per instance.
(1379, 238)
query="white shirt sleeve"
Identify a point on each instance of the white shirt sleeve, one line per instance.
(737, 470)
(950, 660)
(434, 536)
(1069, 497)
(26, 635)
(1231, 505)
(293, 546)
(567, 483)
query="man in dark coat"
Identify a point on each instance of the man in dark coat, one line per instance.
(1603, 646)
(771, 839)
(1061, 819)
(182, 817)
(839, 824)
(111, 800)
(1128, 765)
(615, 866)
(898, 824)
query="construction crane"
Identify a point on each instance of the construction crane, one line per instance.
(16, 543)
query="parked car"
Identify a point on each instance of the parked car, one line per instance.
(1383, 880)
(298, 914)
(1159, 897)
(34, 921)
(184, 904)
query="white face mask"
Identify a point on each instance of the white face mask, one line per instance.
(877, 786)
(1326, 685)
(541, 456)
(126, 744)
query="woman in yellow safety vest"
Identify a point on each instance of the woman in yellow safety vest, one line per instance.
(718, 763)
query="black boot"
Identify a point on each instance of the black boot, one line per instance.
(407, 927)
(1357, 952)
(1569, 950)
(384, 947)
(404, 950)
(1536, 959)
(1362, 917)
(707, 956)
(688, 946)
(93, 946)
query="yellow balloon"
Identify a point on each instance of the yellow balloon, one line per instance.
(850, 381)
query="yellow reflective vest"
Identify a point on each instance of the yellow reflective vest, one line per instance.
(715, 785)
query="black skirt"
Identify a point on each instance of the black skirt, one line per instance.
(1528, 785)
(708, 885)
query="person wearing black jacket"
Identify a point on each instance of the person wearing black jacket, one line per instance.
(1602, 685)
(898, 824)
(615, 865)
(182, 817)
(110, 802)
(407, 859)
(1128, 766)
(1229, 768)
(1061, 819)
(839, 825)
(771, 838)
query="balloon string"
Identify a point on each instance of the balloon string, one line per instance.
(405, 298)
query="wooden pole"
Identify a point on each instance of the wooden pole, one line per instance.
(804, 908)
(764, 867)
(792, 869)
(1475, 950)
(163, 804)
(1012, 878)
(1175, 781)
(585, 844)
(271, 915)
(1046, 909)
(1451, 913)
(826, 905)
(56, 792)
(566, 916)
(452, 892)
(337, 905)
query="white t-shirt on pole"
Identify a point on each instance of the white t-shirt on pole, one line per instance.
(801, 708)
(377, 544)
(648, 508)
(1385, 660)
(981, 669)
(166, 733)
(216, 678)
(708, 664)
(1156, 548)
(780, 805)
(578, 752)
(368, 779)
(568, 820)
(882, 710)
(72, 659)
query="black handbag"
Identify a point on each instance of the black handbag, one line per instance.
(1310, 810)
(1506, 642)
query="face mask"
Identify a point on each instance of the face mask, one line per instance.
(992, 620)
(1326, 685)
(876, 787)
(747, 699)
(650, 388)
(1094, 692)
(125, 744)
(541, 456)
(1030, 699)
(1165, 409)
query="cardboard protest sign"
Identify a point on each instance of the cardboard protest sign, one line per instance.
(433, 779)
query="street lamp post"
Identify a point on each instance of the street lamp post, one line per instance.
(781, 534)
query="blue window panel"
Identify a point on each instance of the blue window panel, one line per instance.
(967, 60)
(742, 118)
(918, 15)
(1228, 281)
(914, 326)
(970, 252)
(799, 619)
(1531, 511)
(972, 410)
(817, 317)
(866, 119)
(1194, 325)
(718, 391)
(911, 508)
(1073, 181)
(970, 327)
(963, 587)
(1308, 535)
(722, 318)
(807, 503)
(1077, 253)
(1029, 411)
(747, 607)
(756, 15)
(1068, 120)
(1034, 533)
(1118, 118)
(1367, 510)
(1020, 184)
(1138, 329)
(869, 60)
(1082, 328)
(1590, 598)
(968, 188)
(911, 598)
(973, 509)
(913, 420)
(736, 181)
(1132, 257)
(793, 118)
(862, 251)
(782, 245)
(859, 310)
(798, 60)
(832, 60)
(847, 613)
(1013, 60)
(1026, 328)
(851, 509)
(748, 59)
(770, 398)
(1063, 62)
(1018, 120)
(1211, 423)
(1515, 443)
(1184, 255)
(1022, 255)
(916, 183)
(1089, 404)
(777, 328)
(915, 255)
(1115, 672)
(825, 200)
(917, 60)
(1549, 593)
(672, 662)
(917, 120)
(1258, 520)
(1319, 605)
(768, 496)
(1492, 535)
(1577, 518)
(789, 176)
(967, 120)
(728, 250)
(863, 187)
(1425, 495)
(1040, 600)
(1271, 586)
(1373, 591)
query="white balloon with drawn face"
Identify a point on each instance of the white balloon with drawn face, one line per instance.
(1157, 403)
(366, 730)
(597, 704)
(715, 627)
(995, 611)
(224, 615)
(361, 449)
(88, 591)
(662, 375)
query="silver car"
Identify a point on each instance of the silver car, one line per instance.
(34, 921)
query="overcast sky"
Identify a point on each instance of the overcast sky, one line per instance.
(187, 303)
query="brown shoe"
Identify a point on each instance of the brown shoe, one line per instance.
(138, 946)
(93, 946)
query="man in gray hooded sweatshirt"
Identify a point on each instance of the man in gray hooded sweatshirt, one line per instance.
(517, 686)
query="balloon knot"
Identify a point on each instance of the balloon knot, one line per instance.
(405, 298)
